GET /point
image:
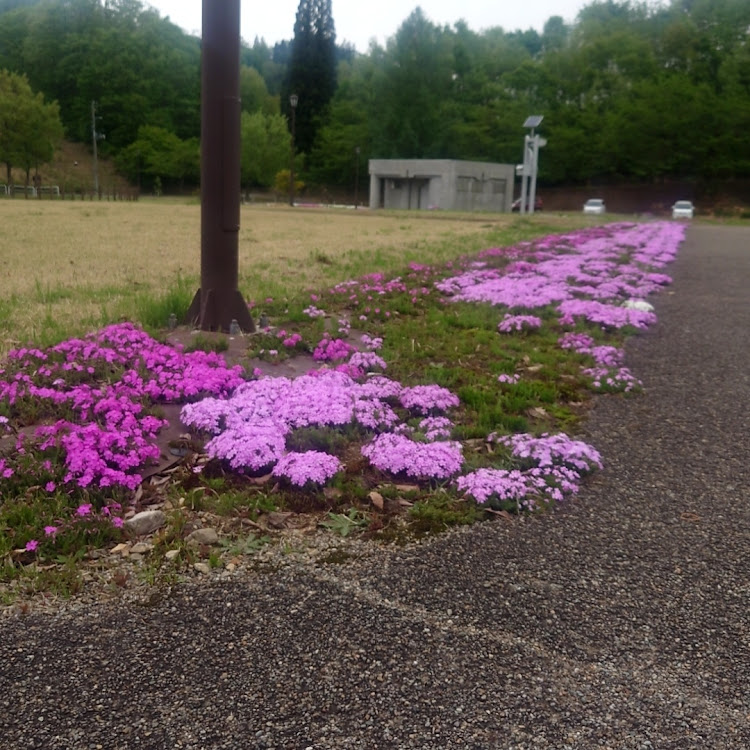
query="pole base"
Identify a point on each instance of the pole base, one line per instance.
(214, 311)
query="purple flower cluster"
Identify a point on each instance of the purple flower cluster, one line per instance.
(552, 450)
(552, 468)
(93, 396)
(586, 274)
(522, 490)
(367, 361)
(398, 454)
(251, 428)
(372, 344)
(313, 467)
(614, 380)
(86, 517)
(358, 294)
(6, 471)
(314, 312)
(425, 399)
(436, 428)
(511, 323)
(332, 350)
(514, 290)
(606, 315)
(509, 379)
(609, 374)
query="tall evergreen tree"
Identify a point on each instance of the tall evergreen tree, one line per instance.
(311, 74)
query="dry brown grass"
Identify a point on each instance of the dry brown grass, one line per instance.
(70, 266)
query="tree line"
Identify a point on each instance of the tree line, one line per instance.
(629, 91)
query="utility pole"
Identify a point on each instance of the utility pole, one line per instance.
(95, 138)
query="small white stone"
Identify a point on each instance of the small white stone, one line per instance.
(638, 304)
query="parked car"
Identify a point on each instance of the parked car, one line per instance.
(538, 204)
(683, 210)
(594, 206)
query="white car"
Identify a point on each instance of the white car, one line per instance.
(594, 206)
(683, 210)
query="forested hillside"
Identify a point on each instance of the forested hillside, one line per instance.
(630, 91)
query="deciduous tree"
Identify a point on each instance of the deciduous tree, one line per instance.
(30, 128)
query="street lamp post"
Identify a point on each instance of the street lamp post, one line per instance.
(95, 136)
(531, 145)
(293, 99)
(356, 177)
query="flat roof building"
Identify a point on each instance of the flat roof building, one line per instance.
(448, 184)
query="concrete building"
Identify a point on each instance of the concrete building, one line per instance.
(441, 184)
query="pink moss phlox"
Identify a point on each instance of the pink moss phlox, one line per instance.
(309, 467)
(609, 374)
(375, 414)
(587, 274)
(606, 315)
(552, 450)
(436, 428)
(370, 343)
(524, 489)
(367, 361)
(332, 350)
(261, 414)
(254, 446)
(511, 323)
(619, 379)
(380, 387)
(398, 454)
(108, 440)
(251, 427)
(291, 340)
(314, 312)
(424, 399)
(6, 472)
(552, 468)
(103, 456)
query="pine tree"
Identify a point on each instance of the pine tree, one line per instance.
(311, 74)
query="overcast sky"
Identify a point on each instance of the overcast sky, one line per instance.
(358, 22)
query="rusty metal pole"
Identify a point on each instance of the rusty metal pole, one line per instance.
(218, 302)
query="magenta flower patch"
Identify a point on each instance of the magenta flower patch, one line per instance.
(105, 436)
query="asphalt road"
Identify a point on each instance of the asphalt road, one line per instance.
(620, 621)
